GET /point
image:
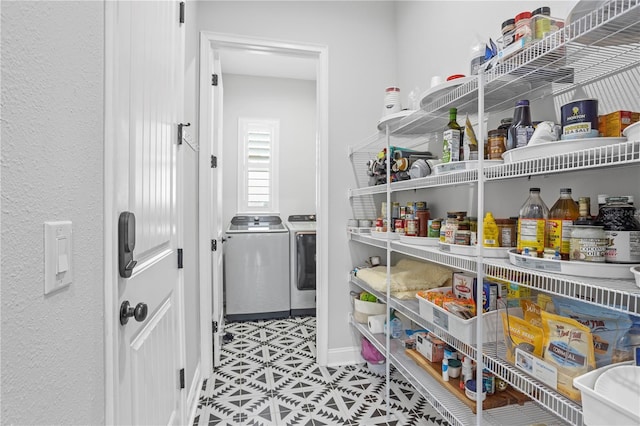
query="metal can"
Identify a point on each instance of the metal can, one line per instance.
(435, 226)
(411, 227)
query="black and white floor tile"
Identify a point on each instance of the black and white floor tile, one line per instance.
(269, 377)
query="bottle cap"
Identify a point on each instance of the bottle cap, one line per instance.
(565, 190)
(534, 189)
(523, 102)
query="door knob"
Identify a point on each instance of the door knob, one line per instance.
(127, 311)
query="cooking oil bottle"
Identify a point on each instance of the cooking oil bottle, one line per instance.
(532, 223)
(561, 218)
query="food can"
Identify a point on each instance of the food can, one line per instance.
(580, 119)
(398, 226)
(435, 227)
(489, 382)
(411, 227)
(588, 243)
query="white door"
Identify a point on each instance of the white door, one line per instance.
(216, 207)
(147, 106)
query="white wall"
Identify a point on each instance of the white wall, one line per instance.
(293, 102)
(360, 37)
(52, 169)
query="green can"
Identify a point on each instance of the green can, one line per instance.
(434, 228)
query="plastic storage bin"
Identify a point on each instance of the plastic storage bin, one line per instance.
(363, 309)
(464, 330)
(600, 409)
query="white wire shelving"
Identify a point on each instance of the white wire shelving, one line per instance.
(589, 50)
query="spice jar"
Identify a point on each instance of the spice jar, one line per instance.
(541, 23)
(622, 229)
(523, 28)
(497, 143)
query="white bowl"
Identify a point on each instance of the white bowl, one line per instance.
(636, 272)
(632, 132)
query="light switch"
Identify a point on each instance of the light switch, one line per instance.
(58, 265)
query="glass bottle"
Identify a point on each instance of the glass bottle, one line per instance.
(521, 128)
(622, 229)
(561, 218)
(531, 224)
(452, 139)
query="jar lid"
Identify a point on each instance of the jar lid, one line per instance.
(544, 10)
(506, 120)
(505, 221)
(392, 89)
(523, 15)
(508, 22)
(623, 200)
(498, 132)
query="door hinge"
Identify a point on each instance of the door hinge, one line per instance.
(182, 378)
(180, 254)
(214, 162)
(180, 126)
(215, 326)
(214, 79)
(182, 12)
(214, 245)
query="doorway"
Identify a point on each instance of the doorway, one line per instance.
(210, 212)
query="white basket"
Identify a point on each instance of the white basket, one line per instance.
(599, 409)
(363, 309)
(464, 330)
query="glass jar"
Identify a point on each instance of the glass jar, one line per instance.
(587, 243)
(450, 228)
(622, 229)
(507, 232)
(508, 31)
(497, 143)
(541, 23)
(523, 28)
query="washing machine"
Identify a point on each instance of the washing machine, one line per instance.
(302, 232)
(256, 269)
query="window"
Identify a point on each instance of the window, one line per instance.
(257, 165)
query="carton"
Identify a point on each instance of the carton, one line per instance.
(612, 125)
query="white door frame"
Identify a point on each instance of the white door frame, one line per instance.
(209, 41)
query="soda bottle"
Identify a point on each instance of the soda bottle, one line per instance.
(561, 218)
(532, 223)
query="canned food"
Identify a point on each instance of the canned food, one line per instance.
(411, 227)
(398, 226)
(435, 226)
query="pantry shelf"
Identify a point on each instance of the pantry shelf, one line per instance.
(619, 295)
(602, 156)
(566, 409)
(449, 406)
(410, 308)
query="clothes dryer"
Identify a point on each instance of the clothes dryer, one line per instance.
(302, 232)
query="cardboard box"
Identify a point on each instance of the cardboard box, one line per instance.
(430, 347)
(612, 125)
(463, 285)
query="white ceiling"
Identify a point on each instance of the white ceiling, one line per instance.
(267, 64)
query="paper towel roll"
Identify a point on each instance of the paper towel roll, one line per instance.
(376, 323)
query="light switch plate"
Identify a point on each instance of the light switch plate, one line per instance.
(58, 264)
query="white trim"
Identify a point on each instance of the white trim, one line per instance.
(208, 42)
(344, 356)
(110, 284)
(194, 393)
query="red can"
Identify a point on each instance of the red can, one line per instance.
(398, 226)
(411, 227)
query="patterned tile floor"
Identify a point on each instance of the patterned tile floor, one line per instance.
(269, 376)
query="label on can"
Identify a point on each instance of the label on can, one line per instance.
(411, 227)
(588, 249)
(398, 226)
(531, 234)
(624, 247)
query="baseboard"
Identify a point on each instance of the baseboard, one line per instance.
(192, 396)
(343, 356)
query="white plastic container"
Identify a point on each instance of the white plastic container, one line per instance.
(599, 409)
(464, 330)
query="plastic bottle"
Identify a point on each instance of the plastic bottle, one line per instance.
(521, 128)
(445, 369)
(490, 231)
(627, 344)
(562, 215)
(452, 138)
(531, 224)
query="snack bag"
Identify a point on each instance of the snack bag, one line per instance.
(531, 312)
(518, 333)
(568, 345)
